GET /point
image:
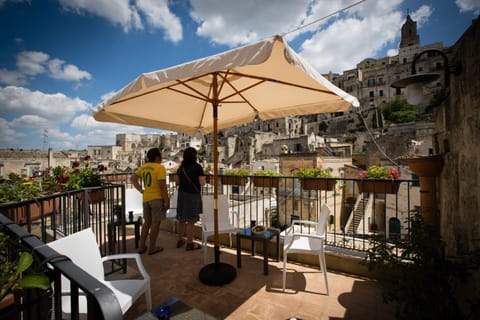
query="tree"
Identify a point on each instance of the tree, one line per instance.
(399, 111)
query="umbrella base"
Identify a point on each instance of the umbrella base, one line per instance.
(217, 274)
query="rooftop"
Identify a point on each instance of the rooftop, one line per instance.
(252, 295)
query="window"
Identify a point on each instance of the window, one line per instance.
(398, 91)
(381, 93)
(371, 82)
(372, 94)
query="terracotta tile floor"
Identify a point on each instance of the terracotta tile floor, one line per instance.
(251, 295)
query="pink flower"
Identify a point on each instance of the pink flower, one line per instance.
(394, 173)
(362, 174)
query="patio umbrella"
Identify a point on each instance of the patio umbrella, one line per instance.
(265, 79)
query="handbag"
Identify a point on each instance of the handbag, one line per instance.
(195, 187)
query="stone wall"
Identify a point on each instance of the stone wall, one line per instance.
(458, 123)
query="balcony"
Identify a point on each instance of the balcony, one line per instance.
(356, 216)
(252, 295)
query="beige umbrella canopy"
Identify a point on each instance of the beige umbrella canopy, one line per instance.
(265, 79)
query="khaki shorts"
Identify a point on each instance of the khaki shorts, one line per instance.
(154, 211)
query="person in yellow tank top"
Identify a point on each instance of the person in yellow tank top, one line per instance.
(150, 180)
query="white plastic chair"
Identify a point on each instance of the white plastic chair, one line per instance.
(82, 248)
(133, 202)
(172, 211)
(225, 222)
(298, 239)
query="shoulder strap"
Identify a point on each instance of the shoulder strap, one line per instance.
(190, 180)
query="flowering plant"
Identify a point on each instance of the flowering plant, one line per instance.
(379, 172)
(313, 173)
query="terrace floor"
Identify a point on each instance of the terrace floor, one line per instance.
(251, 295)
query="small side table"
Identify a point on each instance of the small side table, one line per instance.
(112, 230)
(265, 238)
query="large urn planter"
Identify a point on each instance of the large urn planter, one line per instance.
(318, 184)
(234, 180)
(378, 186)
(427, 166)
(266, 182)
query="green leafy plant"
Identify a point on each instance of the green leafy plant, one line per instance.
(16, 188)
(313, 173)
(236, 172)
(399, 111)
(414, 273)
(14, 275)
(84, 178)
(266, 173)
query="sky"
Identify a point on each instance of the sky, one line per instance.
(59, 59)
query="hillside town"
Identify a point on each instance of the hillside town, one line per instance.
(363, 134)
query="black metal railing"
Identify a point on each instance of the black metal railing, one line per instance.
(358, 211)
(33, 304)
(61, 214)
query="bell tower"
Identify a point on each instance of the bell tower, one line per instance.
(409, 33)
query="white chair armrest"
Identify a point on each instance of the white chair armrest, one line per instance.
(135, 256)
(307, 235)
(304, 222)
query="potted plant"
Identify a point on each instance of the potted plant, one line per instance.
(79, 178)
(378, 179)
(16, 189)
(266, 178)
(15, 275)
(236, 177)
(316, 179)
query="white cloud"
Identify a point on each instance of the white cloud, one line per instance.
(8, 136)
(422, 15)
(333, 44)
(128, 14)
(15, 78)
(469, 5)
(159, 16)
(56, 108)
(118, 12)
(234, 22)
(32, 62)
(59, 70)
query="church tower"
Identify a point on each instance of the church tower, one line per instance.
(409, 33)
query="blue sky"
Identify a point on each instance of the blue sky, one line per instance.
(61, 58)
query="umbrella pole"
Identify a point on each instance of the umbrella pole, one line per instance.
(217, 273)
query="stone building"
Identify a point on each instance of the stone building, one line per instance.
(26, 162)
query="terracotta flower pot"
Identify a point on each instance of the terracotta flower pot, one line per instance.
(94, 196)
(266, 182)
(318, 184)
(234, 180)
(378, 186)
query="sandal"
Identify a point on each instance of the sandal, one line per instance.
(155, 250)
(192, 246)
(142, 251)
(180, 243)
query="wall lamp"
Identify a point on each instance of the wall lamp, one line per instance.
(414, 83)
